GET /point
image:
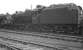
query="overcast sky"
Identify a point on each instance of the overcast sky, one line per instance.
(20, 5)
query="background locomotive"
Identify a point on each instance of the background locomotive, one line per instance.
(63, 18)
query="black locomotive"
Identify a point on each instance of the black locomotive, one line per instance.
(63, 18)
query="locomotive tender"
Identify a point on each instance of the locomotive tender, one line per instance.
(61, 18)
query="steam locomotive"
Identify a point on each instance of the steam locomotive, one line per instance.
(63, 18)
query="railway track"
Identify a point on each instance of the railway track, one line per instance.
(5, 47)
(63, 42)
(20, 45)
(48, 35)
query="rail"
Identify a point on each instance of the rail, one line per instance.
(60, 41)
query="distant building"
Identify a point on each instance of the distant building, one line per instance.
(19, 12)
(2, 14)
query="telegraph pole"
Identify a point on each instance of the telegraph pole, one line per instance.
(31, 6)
